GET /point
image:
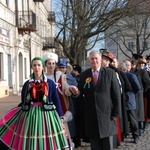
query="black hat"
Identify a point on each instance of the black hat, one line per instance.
(137, 56)
(77, 68)
(147, 57)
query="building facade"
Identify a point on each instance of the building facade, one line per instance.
(26, 31)
(130, 35)
(124, 42)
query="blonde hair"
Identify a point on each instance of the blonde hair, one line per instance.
(69, 68)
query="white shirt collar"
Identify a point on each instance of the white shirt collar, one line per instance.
(97, 69)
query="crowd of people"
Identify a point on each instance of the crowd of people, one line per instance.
(62, 104)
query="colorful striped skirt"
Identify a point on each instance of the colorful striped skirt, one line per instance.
(34, 129)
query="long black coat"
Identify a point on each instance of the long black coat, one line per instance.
(101, 102)
(126, 86)
(145, 84)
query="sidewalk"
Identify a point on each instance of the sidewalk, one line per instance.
(8, 103)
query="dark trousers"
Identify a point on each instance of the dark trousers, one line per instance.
(133, 122)
(102, 144)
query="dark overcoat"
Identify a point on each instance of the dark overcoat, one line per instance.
(145, 84)
(101, 102)
(71, 124)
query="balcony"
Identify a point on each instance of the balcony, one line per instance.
(38, 0)
(26, 21)
(51, 17)
(48, 44)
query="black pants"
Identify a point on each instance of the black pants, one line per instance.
(102, 144)
(133, 122)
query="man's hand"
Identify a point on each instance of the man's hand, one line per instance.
(74, 90)
(114, 118)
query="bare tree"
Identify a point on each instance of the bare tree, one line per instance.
(132, 32)
(80, 24)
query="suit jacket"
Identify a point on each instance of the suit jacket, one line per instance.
(101, 102)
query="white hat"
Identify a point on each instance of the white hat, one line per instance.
(50, 55)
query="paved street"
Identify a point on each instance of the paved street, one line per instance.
(7, 103)
(144, 141)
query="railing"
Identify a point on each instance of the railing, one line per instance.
(49, 43)
(38, 0)
(26, 20)
(51, 17)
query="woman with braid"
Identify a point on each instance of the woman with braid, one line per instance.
(63, 88)
(64, 91)
(35, 124)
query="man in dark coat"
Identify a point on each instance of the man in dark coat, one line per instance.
(102, 103)
(145, 84)
(131, 103)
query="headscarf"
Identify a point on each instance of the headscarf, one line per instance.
(38, 58)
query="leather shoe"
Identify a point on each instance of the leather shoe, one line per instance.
(136, 140)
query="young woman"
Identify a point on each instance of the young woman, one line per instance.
(64, 89)
(35, 124)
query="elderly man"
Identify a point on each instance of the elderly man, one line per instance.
(101, 100)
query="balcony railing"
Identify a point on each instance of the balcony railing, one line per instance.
(51, 17)
(38, 0)
(26, 21)
(49, 43)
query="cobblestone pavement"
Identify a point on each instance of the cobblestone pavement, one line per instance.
(144, 141)
(143, 144)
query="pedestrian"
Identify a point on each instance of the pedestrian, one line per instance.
(102, 103)
(144, 80)
(109, 60)
(79, 113)
(66, 69)
(76, 71)
(65, 91)
(131, 103)
(35, 124)
(63, 88)
(125, 87)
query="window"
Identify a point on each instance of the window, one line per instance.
(25, 66)
(145, 45)
(130, 46)
(8, 3)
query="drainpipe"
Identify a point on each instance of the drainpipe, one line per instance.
(29, 38)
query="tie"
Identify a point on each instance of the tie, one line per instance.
(95, 77)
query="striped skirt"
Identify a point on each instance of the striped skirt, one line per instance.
(34, 129)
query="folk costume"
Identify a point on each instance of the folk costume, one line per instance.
(62, 88)
(35, 124)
